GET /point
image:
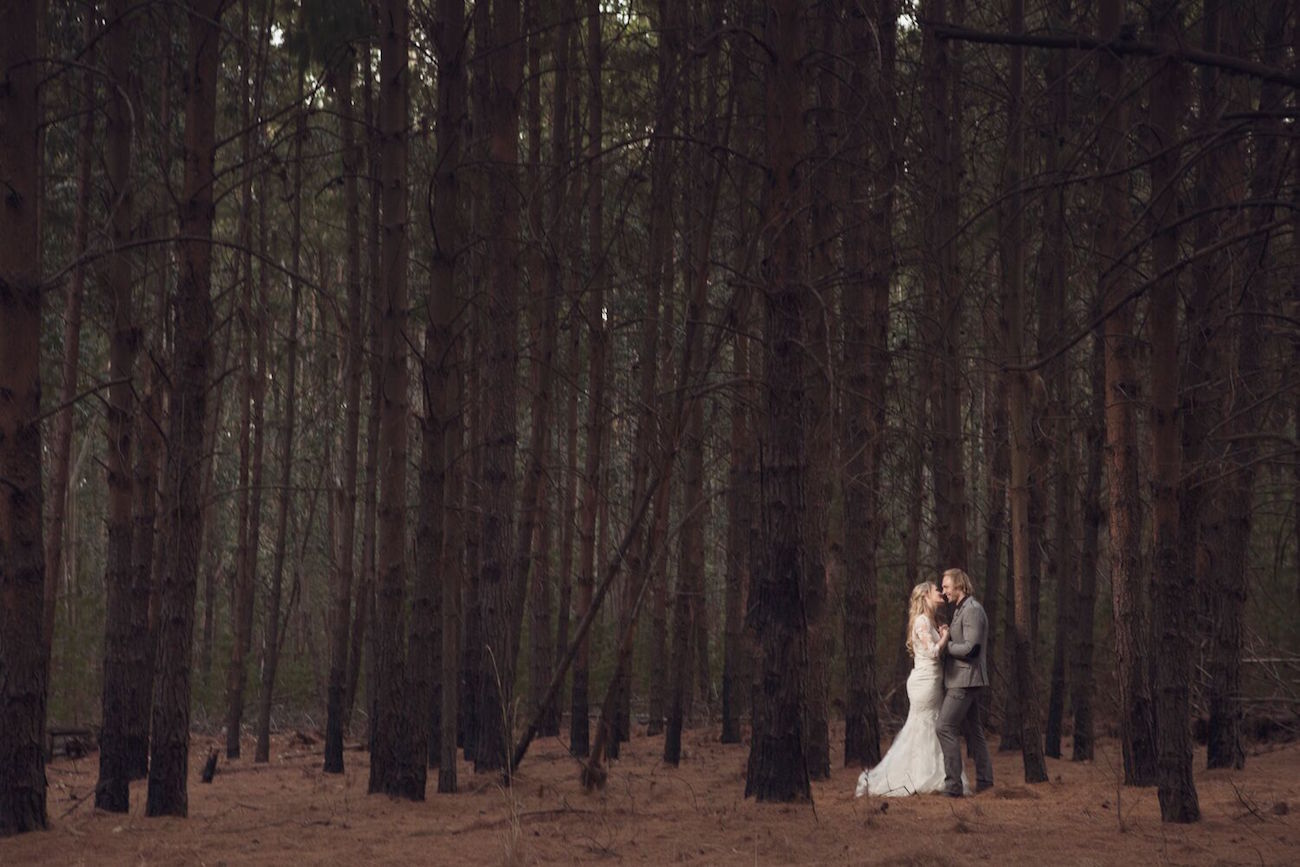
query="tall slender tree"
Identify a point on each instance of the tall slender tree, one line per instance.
(940, 189)
(1171, 670)
(112, 790)
(1229, 569)
(1137, 731)
(187, 414)
(271, 650)
(776, 770)
(868, 254)
(61, 446)
(343, 76)
(1057, 428)
(24, 664)
(391, 768)
(1081, 655)
(495, 688)
(1013, 258)
(594, 314)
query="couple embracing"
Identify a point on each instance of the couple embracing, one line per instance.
(949, 674)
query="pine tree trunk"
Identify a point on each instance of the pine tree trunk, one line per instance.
(112, 790)
(911, 537)
(594, 313)
(690, 633)
(690, 562)
(142, 649)
(182, 512)
(496, 575)
(252, 396)
(354, 349)
(1225, 747)
(942, 282)
(545, 294)
(544, 648)
(657, 538)
(442, 384)
(392, 770)
(741, 463)
(1058, 440)
(776, 769)
(452, 563)
(997, 454)
(1200, 517)
(824, 215)
(1123, 391)
(361, 645)
(1172, 644)
(61, 447)
(868, 253)
(1013, 258)
(24, 663)
(569, 508)
(1081, 655)
(739, 515)
(274, 641)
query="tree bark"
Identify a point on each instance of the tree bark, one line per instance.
(545, 292)
(657, 538)
(361, 651)
(112, 791)
(1058, 434)
(496, 576)
(776, 769)
(64, 420)
(252, 397)
(1081, 655)
(1013, 257)
(942, 283)
(1225, 747)
(868, 253)
(354, 348)
(594, 313)
(182, 512)
(442, 379)
(392, 770)
(24, 664)
(1123, 391)
(452, 566)
(569, 504)
(271, 652)
(1172, 642)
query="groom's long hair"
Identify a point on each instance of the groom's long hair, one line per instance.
(961, 581)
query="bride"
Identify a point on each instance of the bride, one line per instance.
(914, 763)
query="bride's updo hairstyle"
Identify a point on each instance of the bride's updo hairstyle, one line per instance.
(916, 607)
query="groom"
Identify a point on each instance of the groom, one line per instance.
(965, 677)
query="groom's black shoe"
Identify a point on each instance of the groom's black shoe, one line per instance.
(953, 794)
(982, 787)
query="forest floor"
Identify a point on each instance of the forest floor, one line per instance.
(289, 812)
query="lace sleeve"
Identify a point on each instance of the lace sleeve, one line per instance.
(925, 642)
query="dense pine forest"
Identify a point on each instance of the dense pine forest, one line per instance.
(439, 375)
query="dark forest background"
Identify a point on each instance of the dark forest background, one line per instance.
(440, 374)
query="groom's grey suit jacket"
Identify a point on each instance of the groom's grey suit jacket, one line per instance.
(965, 664)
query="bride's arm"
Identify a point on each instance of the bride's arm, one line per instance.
(923, 643)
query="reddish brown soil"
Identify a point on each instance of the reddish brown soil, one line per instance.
(288, 812)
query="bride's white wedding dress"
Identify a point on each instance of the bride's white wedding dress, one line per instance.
(914, 763)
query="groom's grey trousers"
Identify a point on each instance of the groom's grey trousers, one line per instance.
(960, 716)
(965, 677)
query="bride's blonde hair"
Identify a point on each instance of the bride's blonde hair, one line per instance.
(915, 608)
